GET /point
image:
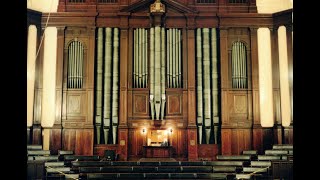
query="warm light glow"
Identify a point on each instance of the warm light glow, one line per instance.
(273, 6)
(265, 78)
(49, 78)
(43, 5)
(284, 77)
(31, 66)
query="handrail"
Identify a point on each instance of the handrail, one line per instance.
(62, 173)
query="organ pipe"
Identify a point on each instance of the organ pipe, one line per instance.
(152, 73)
(115, 83)
(177, 57)
(206, 85)
(135, 55)
(173, 57)
(179, 60)
(107, 83)
(168, 58)
(199, 85)
(163, 73)
(214, 83)
(143, 57)
(157, 77)
(99, 85)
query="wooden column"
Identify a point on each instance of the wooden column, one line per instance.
(225, 132)
(191, 85)
(123, 105)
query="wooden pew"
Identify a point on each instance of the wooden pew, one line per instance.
(234, 157)
(268, 158)
(276, 152)
(250, 152)
(38, 152)
(34, 147)
(283, 146)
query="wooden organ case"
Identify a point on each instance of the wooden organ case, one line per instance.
(158, 82)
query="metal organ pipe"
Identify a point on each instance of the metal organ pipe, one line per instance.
(179, 60)
(152, 94)
(199, 85)
(206, 86)
(163, 73)
(157, 71)
(214, 83)
(115, 84)
(107, 83)
(99, 84)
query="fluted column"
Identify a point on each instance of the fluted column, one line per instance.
(31, 67)
(49, 83)
(115, 84)
(107, 83)
(199, 85)
(99, 84)
(265, 78)
(284, 77)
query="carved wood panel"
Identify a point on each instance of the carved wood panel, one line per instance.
(174, 105)
(140, 104)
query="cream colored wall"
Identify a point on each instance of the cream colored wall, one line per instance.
(43, 5)
(272, 6)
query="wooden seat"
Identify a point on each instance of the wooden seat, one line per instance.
(63, 152)
(276, 152)
(54, 164)
(255, 169)
(58, 169)
(282, 146)
(196, 169)
(250, 152)
(46, 158)
(226, 169)
(243, 176)
(81, 158)
(38, 152)
(260, 163)
(234, 157)
(34, 147)
(268, 158)
(90, 163)
(226, 163)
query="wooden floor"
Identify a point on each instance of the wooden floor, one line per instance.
(156, 159)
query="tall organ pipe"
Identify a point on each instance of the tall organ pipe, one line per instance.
(143, 57)
(214, 83)
(99, 85)
(177, 57)
(199, 85)
(152, 72)
(180, 64)
(157, 72)
(135, 58)
(107, 80)
(206, 73)
(115, 83)
(168, 58)
(146, 55)
(163, 73)
(140, 58)
(174, 57)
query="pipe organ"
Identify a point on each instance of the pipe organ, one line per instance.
(207, 85)
(75, 65)
(127, 68)
(107, 89)
(239, 66)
